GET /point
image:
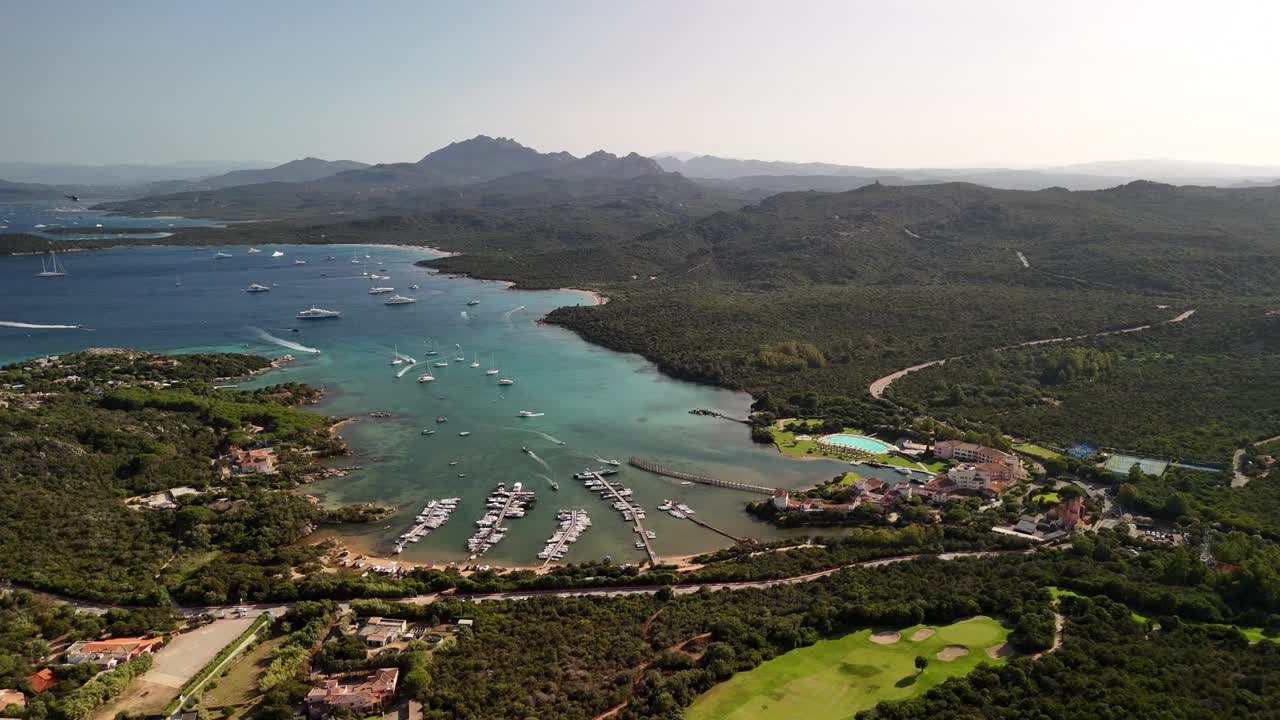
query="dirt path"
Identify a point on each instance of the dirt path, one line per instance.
(878, 386)
(1239, 479)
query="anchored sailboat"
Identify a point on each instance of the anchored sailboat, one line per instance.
(52, 269)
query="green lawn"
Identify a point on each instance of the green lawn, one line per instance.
(239, 684)
(1047, 498)
(833, 679)
(1040, 452)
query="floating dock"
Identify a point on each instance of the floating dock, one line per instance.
(635, 516)
(668, 472)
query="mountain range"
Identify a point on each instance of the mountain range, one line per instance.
(480, 172)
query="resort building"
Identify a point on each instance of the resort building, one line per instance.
(980, 455)
(106, 654)
(377, 631)
(359, 695)
(990, 478)
(261, 461)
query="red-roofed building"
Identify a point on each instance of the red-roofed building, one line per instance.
(42, 681)
(261, 461)
(1070, 513)
(106, 654)
(359, 696)
(980, 455)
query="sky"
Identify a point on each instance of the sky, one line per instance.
(890, 84)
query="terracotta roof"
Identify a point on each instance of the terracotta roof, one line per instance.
(42, 680)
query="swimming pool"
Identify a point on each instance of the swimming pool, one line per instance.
(857, 442)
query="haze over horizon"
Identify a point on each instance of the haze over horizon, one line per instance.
(923, 83)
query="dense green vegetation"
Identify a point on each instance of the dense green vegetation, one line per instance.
(531, 653)
(1111, 666)
(1196, 390)
(101, 427)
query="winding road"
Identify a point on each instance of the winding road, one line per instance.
(878, 387)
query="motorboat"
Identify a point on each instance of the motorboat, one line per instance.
(428, 432)
(315, 313)
(254, 250)
(426, 377)
(506, 381)
(256, 288)
(399, 300)
(299, 262)
(464, 433)
(277, 253)
(529, 414)
(221, 256)
(380, 290)
(440, 363)
(414, 286)
(473, 302)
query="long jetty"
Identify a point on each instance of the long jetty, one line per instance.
(635, 518)
(668, 472)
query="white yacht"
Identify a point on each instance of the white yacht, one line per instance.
(473, 302)
(414, 286)
(529, 413)
(254, 250)
(380, 290)
(299, 262)
(492, 370)
(257, 288)
(441, 363)
(52, 269)
(506, 381)
(277, 253)
(221, 256)
(475, 361)
(315, 313)
(426, 377)
(398, 300)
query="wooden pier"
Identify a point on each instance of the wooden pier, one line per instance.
(718, 531)
(635, 518)
(668, 472)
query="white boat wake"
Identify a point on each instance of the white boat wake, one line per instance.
(465, 316)
(540, 461)
(285, 343)
(33, 326)
(507, 315)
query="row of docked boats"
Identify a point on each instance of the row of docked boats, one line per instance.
(501, 505)
(572, 524)
(676, 510)
(433, 516)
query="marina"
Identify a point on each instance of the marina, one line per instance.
(502, 504)
(622, 503)
(433, 516)
(572, 524)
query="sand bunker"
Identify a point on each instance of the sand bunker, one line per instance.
(951, 652)
(885, 638)
(1003, 650)
(922, 634)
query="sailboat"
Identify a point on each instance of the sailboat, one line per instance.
(354, 259)
(433, 350)
(52, 269)
(395, 356)
(178, 281)
(492, 370)
(475, 362)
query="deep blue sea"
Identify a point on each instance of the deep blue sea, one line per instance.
(599, 403)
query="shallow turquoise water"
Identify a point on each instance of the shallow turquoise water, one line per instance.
(858, 442)
(601, 404)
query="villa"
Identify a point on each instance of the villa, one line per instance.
(363, 695)
(261, 461)
(988, 477)
(42, 680)
(377, 631)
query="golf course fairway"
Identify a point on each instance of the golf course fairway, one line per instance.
(833, 679)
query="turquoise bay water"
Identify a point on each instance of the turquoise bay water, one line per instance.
(859, 442)
(599, 403)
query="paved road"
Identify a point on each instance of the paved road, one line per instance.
(878, 386)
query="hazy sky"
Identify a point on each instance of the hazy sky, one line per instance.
(887, 83)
